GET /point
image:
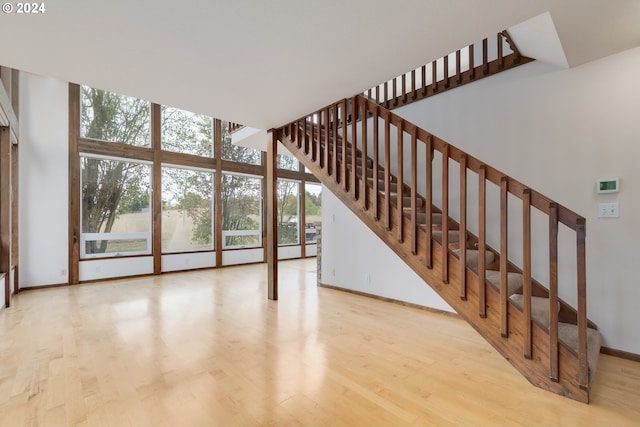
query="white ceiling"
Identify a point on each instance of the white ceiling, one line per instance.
(265, 63)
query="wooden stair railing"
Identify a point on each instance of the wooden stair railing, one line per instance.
(389, 179)
(463, 66)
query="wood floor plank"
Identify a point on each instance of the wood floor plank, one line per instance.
(208, 348)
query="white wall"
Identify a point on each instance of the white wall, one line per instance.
(44, 170)
(353, 257)
(558, 131)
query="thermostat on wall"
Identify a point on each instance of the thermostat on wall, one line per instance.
(608, 185)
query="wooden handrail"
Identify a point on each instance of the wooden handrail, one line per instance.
(442, 78)
(353, 117)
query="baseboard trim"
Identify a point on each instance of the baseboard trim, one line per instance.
(393, 301)
(620, 353)
(39, 287)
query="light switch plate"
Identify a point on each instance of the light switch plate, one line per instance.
(608, 210)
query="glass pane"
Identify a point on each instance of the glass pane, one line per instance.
(287, 162)
(241, 211)
(237, 153)
(288, 221)
(186, 132)
(312, 210)
(115, 214)
(187, 210)
(108, 116)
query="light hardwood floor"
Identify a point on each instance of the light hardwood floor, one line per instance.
(207, 348)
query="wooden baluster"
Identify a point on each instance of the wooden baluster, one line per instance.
(526, 272)
(327, 141)
(386, 94)
(458, 67)
(482, 241)
(504, 255)
(365, 155)
(463, 227)
(370, 93)
(485, 56)
(299, 134)
(318, 141)
(424, 80)
(400, 193)
(429, 201)
(445, 214)
(500, 53)
(582, 304)
(404, 88)
(414, 191)
(343, 172)
(414, 90)
(446, 71)
(354, 149)
(312, 139)
(336, 120)
(553, 292)
(472, 67)
(376, 213)
(395, 91)
(306, 135)
(434, 76)
(387, 168)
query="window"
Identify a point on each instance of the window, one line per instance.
(288, 218)
(107, 116)
(187, 210)
(186, 132)
(312, 210)
(238, 153)
(115, 214)
(241, 211)
(287, 162)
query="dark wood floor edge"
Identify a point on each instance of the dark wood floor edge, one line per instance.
(620, 353)
(393, 301)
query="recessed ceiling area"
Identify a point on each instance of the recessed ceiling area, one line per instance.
(264, 64)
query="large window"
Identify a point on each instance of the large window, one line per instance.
(241, 211)
(288, 218)
(312, 210)
(187, 210)
(288, 162)
(108, 116)
(237, 153)
(115, 214)
(186, 132)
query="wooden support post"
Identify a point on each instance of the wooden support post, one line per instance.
(463, 227)
(74, 184)
(272, 215)
(482, 241)
(526, 272)
(5, 210)
(156, 182)
(553, 292)
(445, 214)
(217, 186)
(504, 256)
(582, 304)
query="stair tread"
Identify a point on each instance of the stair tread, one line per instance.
(568, 334)
(454, 235)
(473, 255)
(539, 308)
(514, 280)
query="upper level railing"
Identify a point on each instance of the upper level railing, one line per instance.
(387, 143)
(463, 66)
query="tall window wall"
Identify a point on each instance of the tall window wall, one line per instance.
(161, 182)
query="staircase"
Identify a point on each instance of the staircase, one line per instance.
(412, 189)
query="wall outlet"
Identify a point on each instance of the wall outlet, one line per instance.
(608, 210)
(63, 272)
(333, 272)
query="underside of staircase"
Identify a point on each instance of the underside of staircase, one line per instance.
(350, 147)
